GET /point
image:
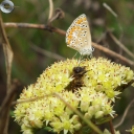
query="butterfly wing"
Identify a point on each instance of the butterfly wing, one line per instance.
(78, 35)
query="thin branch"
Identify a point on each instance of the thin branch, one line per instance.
(88, 122)
(8, 53)
(62, 32)
(102, 37)
(113, 54)
(5, 108)
(29, 100)
(124, 115)
(7, 122)
(51, 9)
(58, 14)
(35, 26)
(110, 10)
(111, 127)
(121, 45)
(47, 53)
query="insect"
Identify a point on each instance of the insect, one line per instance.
(78, 36)
(77, 74)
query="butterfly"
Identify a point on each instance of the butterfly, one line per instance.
(78, 36)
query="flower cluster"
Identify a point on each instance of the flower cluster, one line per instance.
(99, 85)
(132, 130)
(107, 132)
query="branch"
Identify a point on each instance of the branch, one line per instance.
(35, 26)
(58, 14)
(62, 32)
(51, 9)
(110, 10)
(8, 53)
(124, 115)
(113, 54)
(5, 107)
(88, 122)
(47, 53)
(121, 45)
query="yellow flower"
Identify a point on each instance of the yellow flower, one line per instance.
(132, 130)
(91, 92)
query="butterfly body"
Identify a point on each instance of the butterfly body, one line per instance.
(78, 36)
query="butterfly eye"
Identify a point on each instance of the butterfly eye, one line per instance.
(93, 49)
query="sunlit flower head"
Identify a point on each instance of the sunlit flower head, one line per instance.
(91, 92)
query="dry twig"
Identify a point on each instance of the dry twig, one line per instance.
(4, 111)
(88, 122)
(8, 53)
(62, 32)
(58, 14)
(124, 115)
(113, 54)
(111, 127)
(51, 9)
(47, 53)
(5, 108)
(110, 10)
(121, 45)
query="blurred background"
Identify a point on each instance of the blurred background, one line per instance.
(31, 46)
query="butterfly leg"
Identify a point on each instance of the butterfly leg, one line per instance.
(75, 55)
(80, 59)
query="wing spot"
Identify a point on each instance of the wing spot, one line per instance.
(72, 42)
